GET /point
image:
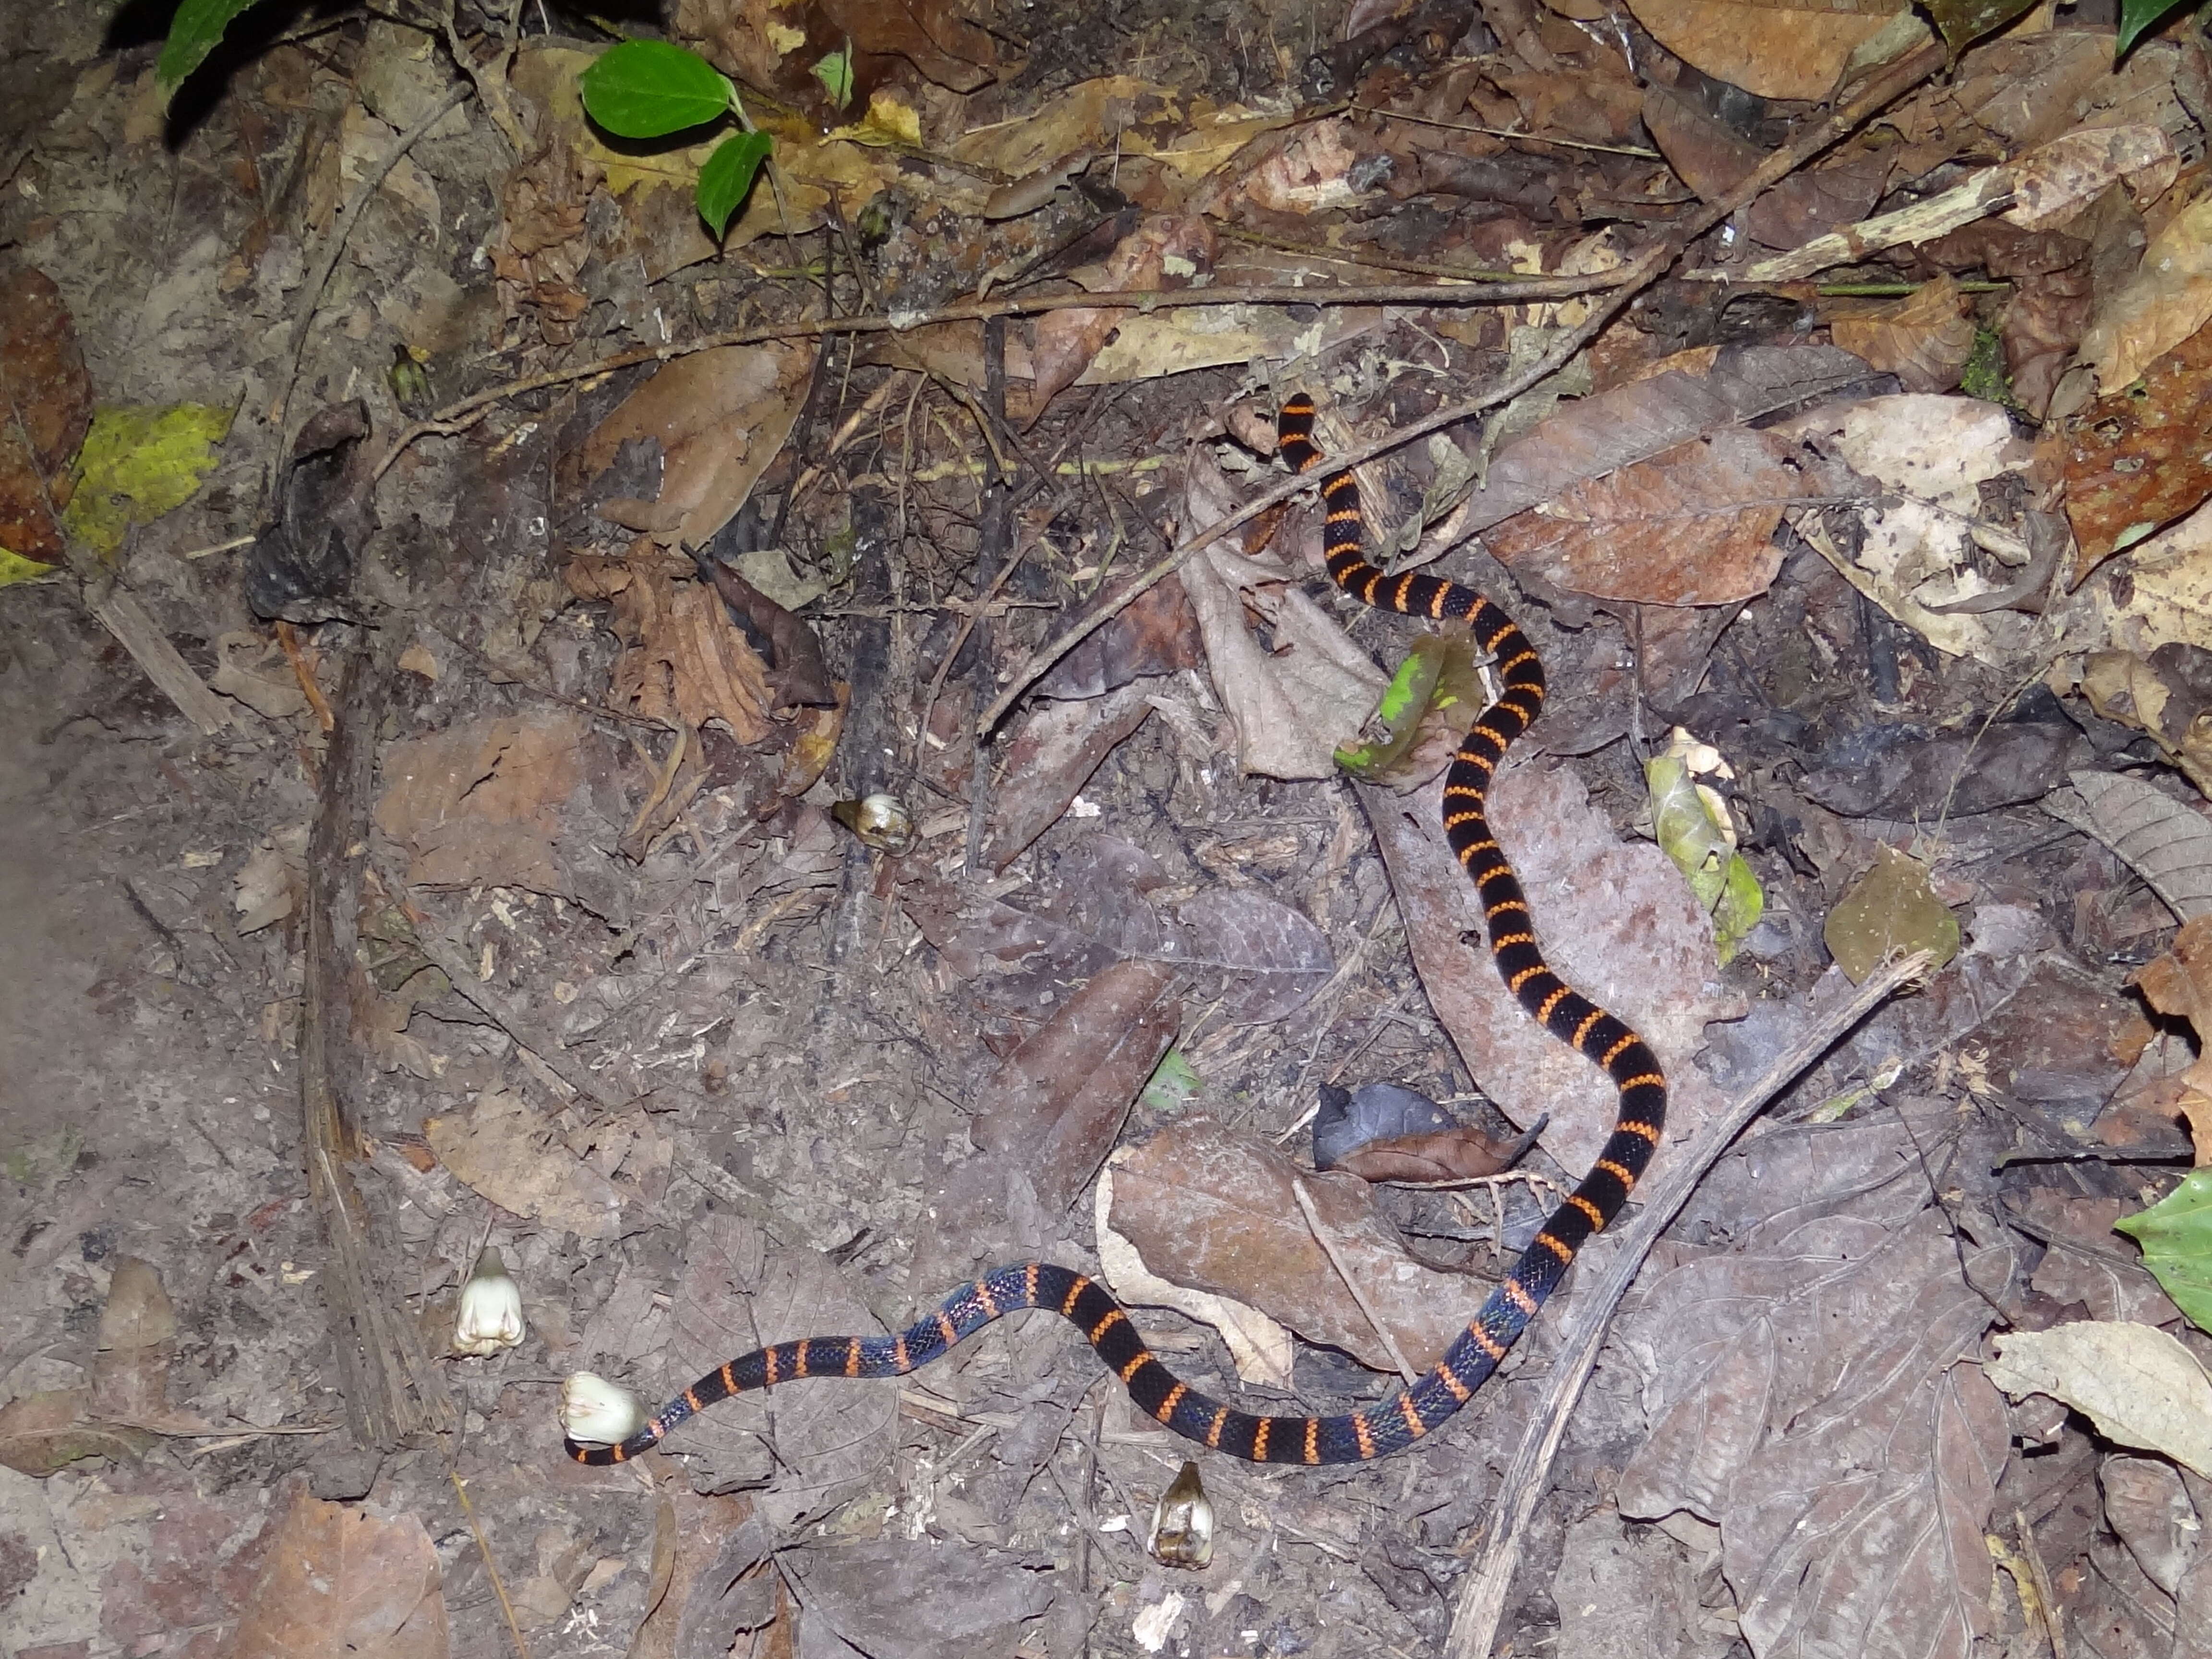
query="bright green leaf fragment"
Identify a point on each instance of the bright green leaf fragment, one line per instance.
(1691, 829)
(2138, 17)
(194, 32)
(138, 463)
(728, 176)
(1892, 907)
(648, 89)
(1404, 701)
(834, 72)
(2176, 1235)
(1171, 1085)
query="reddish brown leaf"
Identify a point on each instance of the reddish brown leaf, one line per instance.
(339, 1583)
(2139, 459)
(47, 397)
(1450, 1155)
(1712, 159)
(1924, 338)
(1814, 203)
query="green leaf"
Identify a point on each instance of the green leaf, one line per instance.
(2138, 17)
(1892, 907)
(1405, 700)
(1171, 1085)
(194, 32)
(834, 72)
(1683, 823)
(648, 89)
(728, 175)
(2176, 1235)
(138, 463)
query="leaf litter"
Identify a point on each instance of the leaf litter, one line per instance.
(1829, 497)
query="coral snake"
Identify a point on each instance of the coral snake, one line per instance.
(1475, 1353)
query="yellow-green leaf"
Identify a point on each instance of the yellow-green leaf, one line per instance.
(138, 463)
(1891, 907)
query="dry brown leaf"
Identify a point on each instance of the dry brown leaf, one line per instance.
(1056, 1106)
(1924, 339)
(515, 1157)
(1447, 1155)
(1777, 49)
(1050, 758)
(1711, 159)
(131, 1370)
(685, 661)
(2139, 1384)
(2138, 460)
(2167, 695)
(718, 418)
(2053, 182)
(2180, 983)
(1691, 526)
(480, 803)
(1208, 1207)
(339, 1583)
(2168, 300)
(1164, 251)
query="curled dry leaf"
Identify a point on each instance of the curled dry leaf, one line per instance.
(2140, 1386)
(340, 1583)
(2167, 301)
(514, 1157)
(683, 659)
(1208, 1207)
(801, 678)
(2180, 983)
(2169, 696)
(718, 418)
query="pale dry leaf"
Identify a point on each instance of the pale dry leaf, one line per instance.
(479, 802)
(2055, 181)
(2167, 599)
(2160, 838)
(340, 1583)
(254, 669)
(514, 1157)
(2139, 1385)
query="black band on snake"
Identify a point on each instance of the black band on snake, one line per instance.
(1397, 1422)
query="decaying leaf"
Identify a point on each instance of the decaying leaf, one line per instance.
(1890, 911)
(1211, 1209)
(920, 1599)
(2167, 696)
(1924, 339)
(514, 1158)
(684, 659)
(2140, 1386)
(2160, 838)
(41, 1432)
(1051, 755)
(2137, 459)
(44, 386)
(2168, 300)
(341, 1583)
(1794, 51)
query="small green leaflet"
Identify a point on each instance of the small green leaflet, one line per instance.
(2138, 17)
(729, 174)
(2176, 1235)
(1171, 1085)
(834, 72)
(1722, 881)
(194, 32)
(648, 89)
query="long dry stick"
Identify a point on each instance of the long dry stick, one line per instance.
(1627, 282)
(1482, 1596)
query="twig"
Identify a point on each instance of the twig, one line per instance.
(1626, 282)
(1482, 1595)
(1344, 1271)
(491, 1567)
(2048, 1613)
(310, 294)
(459, 416)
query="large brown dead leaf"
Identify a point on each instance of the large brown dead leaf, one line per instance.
(2167, 301)
(1779, 49)
(1681, 397)
(47, 397)
(339, 1583)
(2138, 460)
(1693, 526)
(1050, 758)
(1211, 1209)
(718, 418)
(1924, 339)
(1057, 1104)
(514, 1157)
(1617, 920)
(1816, 1404)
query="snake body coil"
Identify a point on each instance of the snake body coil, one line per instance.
(1385, 1427)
